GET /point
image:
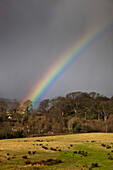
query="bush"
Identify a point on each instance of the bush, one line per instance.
(83, 153)
(29, 152)
(110, 157)
(71, 145)
(40, 144)
(38, 140)
(25, 157)
(93, 165)
(48, 162)
(34, 152)
(28, 162)
(44, 147)
(103, 145)
(8, 158)
(54, 149)
(108, 147)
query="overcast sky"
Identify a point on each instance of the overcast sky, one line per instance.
(34, 34)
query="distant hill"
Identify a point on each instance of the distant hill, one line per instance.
(6, 100)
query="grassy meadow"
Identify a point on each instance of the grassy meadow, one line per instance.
(65, 152)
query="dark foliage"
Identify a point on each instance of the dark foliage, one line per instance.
(78, 112)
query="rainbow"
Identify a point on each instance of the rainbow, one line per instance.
(66, 60)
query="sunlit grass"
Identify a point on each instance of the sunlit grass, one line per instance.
(16, 153)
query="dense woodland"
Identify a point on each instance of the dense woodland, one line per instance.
(77, 112)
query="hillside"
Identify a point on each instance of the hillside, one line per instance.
(77, 151)
(77, 112)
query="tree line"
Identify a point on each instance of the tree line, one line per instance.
(77, 112)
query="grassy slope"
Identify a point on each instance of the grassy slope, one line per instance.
(12, 150)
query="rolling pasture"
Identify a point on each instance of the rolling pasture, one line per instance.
(65, 152)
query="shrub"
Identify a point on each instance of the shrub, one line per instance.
(44, 147)
(110, 157)
(83, 153)
(48, 162)
(34, 152)
(75, 152)
(71, 145)
(108, 147)
(34, 163)
(20, 133)
(38, 140)
(103, 145)
(29, 152)
(40, 144)
(25, 157)
(54, 149)
(42, 162)
(28, 162)
(94, 165)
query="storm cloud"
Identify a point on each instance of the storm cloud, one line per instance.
(34, 34)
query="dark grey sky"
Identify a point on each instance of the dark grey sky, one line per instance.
(34, 34)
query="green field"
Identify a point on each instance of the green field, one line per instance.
(76, 151)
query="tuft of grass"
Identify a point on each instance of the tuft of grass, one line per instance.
(25, 140)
